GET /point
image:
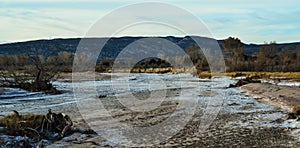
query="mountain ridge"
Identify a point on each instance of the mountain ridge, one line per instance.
(112, 47)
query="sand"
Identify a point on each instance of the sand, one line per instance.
(285, 97)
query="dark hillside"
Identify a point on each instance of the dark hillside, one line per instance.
(112, 47)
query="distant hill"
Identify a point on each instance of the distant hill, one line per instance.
(112, 47)
(252, 49)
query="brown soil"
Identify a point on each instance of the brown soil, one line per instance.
(283, 96)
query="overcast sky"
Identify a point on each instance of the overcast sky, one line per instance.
(253, 21)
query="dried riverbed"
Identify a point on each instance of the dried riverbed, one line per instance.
(241, 121)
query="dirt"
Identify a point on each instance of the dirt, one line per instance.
(283, 96)
(224, 132)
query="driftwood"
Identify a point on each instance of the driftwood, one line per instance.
(37, 130)
(295, 114)
(245, 81)
(27, 82)
(36, 126)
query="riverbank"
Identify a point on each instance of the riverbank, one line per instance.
(295, 76)
(285, 97)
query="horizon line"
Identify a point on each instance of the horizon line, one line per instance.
(137, 36)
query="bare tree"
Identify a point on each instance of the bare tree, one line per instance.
(267, 57)
(35, 77)
(233, 50)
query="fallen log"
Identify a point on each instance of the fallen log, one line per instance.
(245, 81)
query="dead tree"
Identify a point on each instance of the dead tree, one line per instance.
(37, 76)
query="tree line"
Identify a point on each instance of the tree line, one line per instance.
(269, 58)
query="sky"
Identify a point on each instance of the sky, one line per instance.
(254, 21)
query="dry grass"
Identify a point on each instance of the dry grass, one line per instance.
(14, 120)
(204, 74)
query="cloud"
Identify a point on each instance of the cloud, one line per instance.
(26, 24)
(252, 21)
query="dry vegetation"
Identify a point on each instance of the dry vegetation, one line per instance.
(36, 126)
(296, 111)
